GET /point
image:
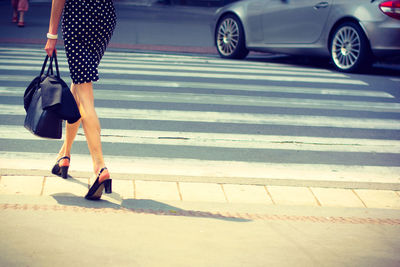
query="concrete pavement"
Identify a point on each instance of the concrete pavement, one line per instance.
(79, 235)
(46, 221)
(47, 186)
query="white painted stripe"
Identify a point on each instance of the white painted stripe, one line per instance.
(159, 57)
(203, 168)
(209, 75)
(227, 117)
(187, 68)
(234, 100)
(184, 66)
(220, 63)
(215, 69)
(246, 101)
(224, 86)
(239, 141)
(184, 62)
(395, 80)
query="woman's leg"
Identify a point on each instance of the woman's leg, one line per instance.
(14, 4)
(70, 130)
(90, 123)
(21, 16)
(23, 6)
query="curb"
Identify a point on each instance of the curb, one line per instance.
(202, 192)
(217, 179)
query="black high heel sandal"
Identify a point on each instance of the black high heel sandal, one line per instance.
(61, 170)
(96, 190)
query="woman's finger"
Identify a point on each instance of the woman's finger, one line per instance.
(50, 46)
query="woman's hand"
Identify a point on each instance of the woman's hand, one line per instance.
(50, 46)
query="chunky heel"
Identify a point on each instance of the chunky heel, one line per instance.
(64, 172)
(61, 167)
(107, 186)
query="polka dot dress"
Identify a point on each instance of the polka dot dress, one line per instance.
(87, 28)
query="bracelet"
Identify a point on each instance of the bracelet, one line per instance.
(52, 36)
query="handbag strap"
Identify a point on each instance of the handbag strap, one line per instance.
(55, 60)
(44, 65)
(50, 69)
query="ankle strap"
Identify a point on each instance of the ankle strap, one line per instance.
(103, 169)
(63, 158)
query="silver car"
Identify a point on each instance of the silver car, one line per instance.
(354, 33)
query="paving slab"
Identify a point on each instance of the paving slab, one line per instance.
(201, 192)
(337, 197)
(21, 185)
(123, 188)
(379, 198)
(291, 195)
(156, 190)
(246, 194)
(54, 185)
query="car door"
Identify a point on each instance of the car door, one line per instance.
(294, 21)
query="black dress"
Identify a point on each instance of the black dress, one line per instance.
(87, 27)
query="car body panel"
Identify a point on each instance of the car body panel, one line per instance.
(296, 27)
(294, 21)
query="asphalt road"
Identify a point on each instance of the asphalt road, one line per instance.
(274, 116)
(211, 117)
(137, 25)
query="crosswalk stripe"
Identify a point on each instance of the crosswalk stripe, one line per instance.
(246, 141)
(215, 99)
(137, 166)
(151, 58)
(224, 86)
(217, 77)
(208, 75)
(139, 65)
(228, 117)
(183, 63)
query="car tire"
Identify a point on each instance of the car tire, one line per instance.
(349, 48)
(230, 38)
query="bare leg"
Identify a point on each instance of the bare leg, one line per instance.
(21, 16)
(90, 123)
(70, 131)
(14, 4)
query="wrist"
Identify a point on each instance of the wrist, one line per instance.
(52, 36)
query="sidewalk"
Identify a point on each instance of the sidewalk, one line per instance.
(45, 220)
(124, 189)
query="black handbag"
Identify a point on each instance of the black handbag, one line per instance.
(40, 101)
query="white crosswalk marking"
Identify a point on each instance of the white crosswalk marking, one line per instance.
(229, 100)
(208, 75)
(227, 140)
(227, 86)
(204, 113)
(226, 117)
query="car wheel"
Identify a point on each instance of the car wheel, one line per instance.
(350, 49)
(230, 39)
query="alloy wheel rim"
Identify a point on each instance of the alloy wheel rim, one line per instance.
(346, 47)
(228, 37)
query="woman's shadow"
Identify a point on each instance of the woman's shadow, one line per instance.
(144, 206)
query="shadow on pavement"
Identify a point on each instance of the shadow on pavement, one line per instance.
(144, 206)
